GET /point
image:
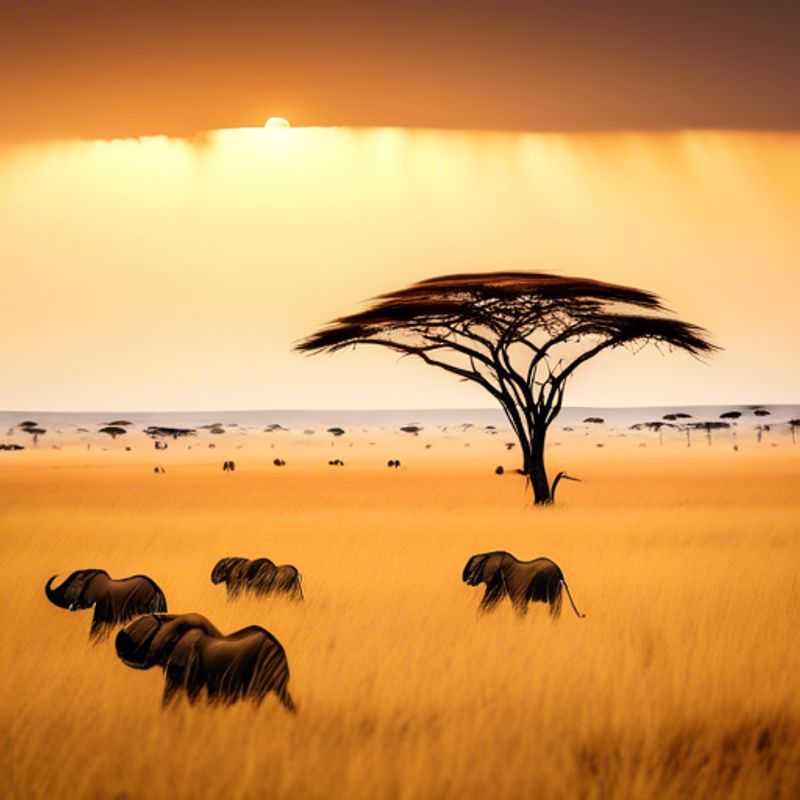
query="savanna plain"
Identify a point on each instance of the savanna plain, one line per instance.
(682, 681)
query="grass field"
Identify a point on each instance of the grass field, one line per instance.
(681, 682)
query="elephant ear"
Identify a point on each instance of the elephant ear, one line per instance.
(473, 572)
(223, 569)
(133, 642)
(75, 586)
(103, 620)
(219, 571)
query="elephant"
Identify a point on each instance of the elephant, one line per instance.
(115, 601)
(260, 577)
(536, 581)
(246, 664)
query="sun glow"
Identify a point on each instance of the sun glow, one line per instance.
(256, 235)
(277, 122)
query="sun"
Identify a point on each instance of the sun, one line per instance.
(277, 122)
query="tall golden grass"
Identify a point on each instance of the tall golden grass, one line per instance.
(681, 682)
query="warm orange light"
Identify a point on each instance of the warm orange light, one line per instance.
(277, 122)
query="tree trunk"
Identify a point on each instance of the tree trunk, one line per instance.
(538, 472)
(533, 467)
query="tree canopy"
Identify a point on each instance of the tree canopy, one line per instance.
(519, 335)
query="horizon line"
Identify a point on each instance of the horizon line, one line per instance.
(374, 409)
(202, 133)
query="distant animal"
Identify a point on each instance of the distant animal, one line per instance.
(536, 581)
(393, 463)
(279, 462)
(336, 462)
(498, 470)
(160, 445)
(159, 470)
(245, 665)
(260, 576)
(229, 466)
(115, 601)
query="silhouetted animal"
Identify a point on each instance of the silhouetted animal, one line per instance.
(536, 581)
(498, 470)
(115, 601)
(393, 463)
(244, 665)
(336, 462)
(260, 576)
(279, 462)
(229, 466)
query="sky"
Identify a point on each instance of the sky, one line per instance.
(161, 250)
(96, 69)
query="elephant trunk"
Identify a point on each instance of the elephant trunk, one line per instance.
(55, 596)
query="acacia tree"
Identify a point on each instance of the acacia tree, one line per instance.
(518, 335)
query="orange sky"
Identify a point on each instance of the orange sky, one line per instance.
(171, 274)
(99, 69)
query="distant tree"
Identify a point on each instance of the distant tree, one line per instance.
(657, 426)
(710, 426)
(518, 335)
(733, 416)
(113, 431)
(35, 432)
(677, 417)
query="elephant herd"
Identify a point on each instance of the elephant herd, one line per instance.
(194, 655)
(250, 663)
